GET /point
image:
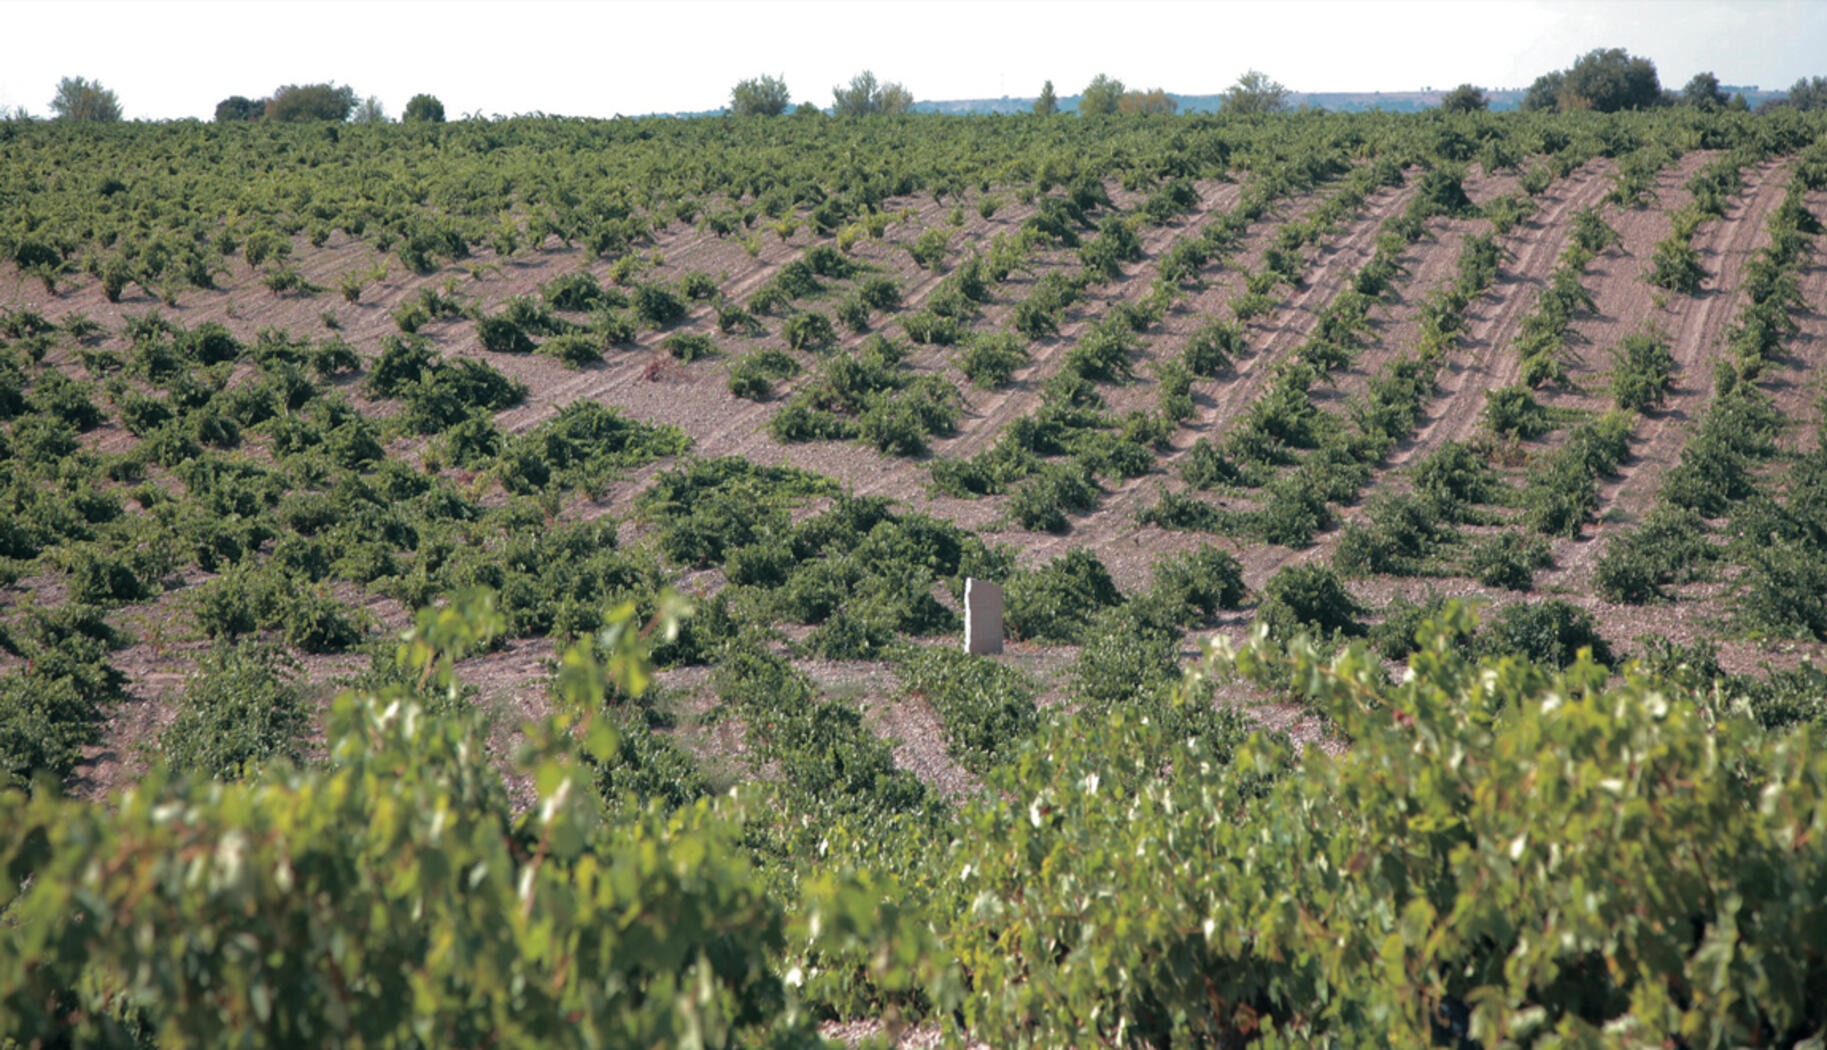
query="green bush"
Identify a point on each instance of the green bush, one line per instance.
(1212, 348)
(1676, 266)
(1193, 587)
(657, 306)
(575, 350)
(1552, 633)
(1508, 560)
(809, 331)
(992, 358)
(987, 707)
(502, 336)
(1512, 411)
(689, 346)
(1642, 371)
(240, 707)
(1042, 502)
(1056, 602)
(1308, 598)
(752, 375)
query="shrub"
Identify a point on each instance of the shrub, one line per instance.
(690, 347)
(1212, 348)
(1293, 514)
(575, 350)
(1676, 267)
(1512, 411)
(809, 331)
(1042, 502)
(579, 291)
(1056, 602)
(1308, 598)
(930, 248)
(657, 306)
(1550, 632)
(1508, 560)
(423, 109)
(986, 707)
(1191, 588)
(993, 358)
(306, 102)
(502, 336)
(241, 706)
(1642, 370)
(752, 375)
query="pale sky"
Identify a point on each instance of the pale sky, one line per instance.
(171, 60)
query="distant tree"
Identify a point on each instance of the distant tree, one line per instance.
(1153, 101)
(1545, 93)
(87, 100)
(763, 96)
(295, 102)
(807, 109)
(1254, 92)
(1047, 104)
(369, 111)
(1466, 98)
(423, 109)
(1738, 103)
(1100, 97)
(237, 108)
(1804, 94)
(894, 98)
(1703, 93)
(865, 96)
(1605, 80)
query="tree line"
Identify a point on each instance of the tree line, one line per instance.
(1605, 80)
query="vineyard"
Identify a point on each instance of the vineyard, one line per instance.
(500, 582)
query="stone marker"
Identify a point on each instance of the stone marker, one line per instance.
(982, 617)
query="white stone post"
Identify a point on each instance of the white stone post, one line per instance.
(982, 617)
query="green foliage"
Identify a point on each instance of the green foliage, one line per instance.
(309, 102)
(55, 703)
(1042, 502)
(240, 707)
(1255, 92)
(752, 375)
(1046, 105)
(1513, 412)
(1670, 546)
(657, 306)
(687, 346)
(762, 96)
(993, 358)
(987, 707)
(1605, 80)
(1676, 266)
(1191, 588)
(1100, 97)
(810, 330)
(1553, 633)
(574, 349)
(1642, 370)
(865, 97)
(1466, 98)
(423, 109)
(408, 804)
(85, 101)
(1425, 743)
(1508, 560)
(1057, 602)
(1308, 598)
